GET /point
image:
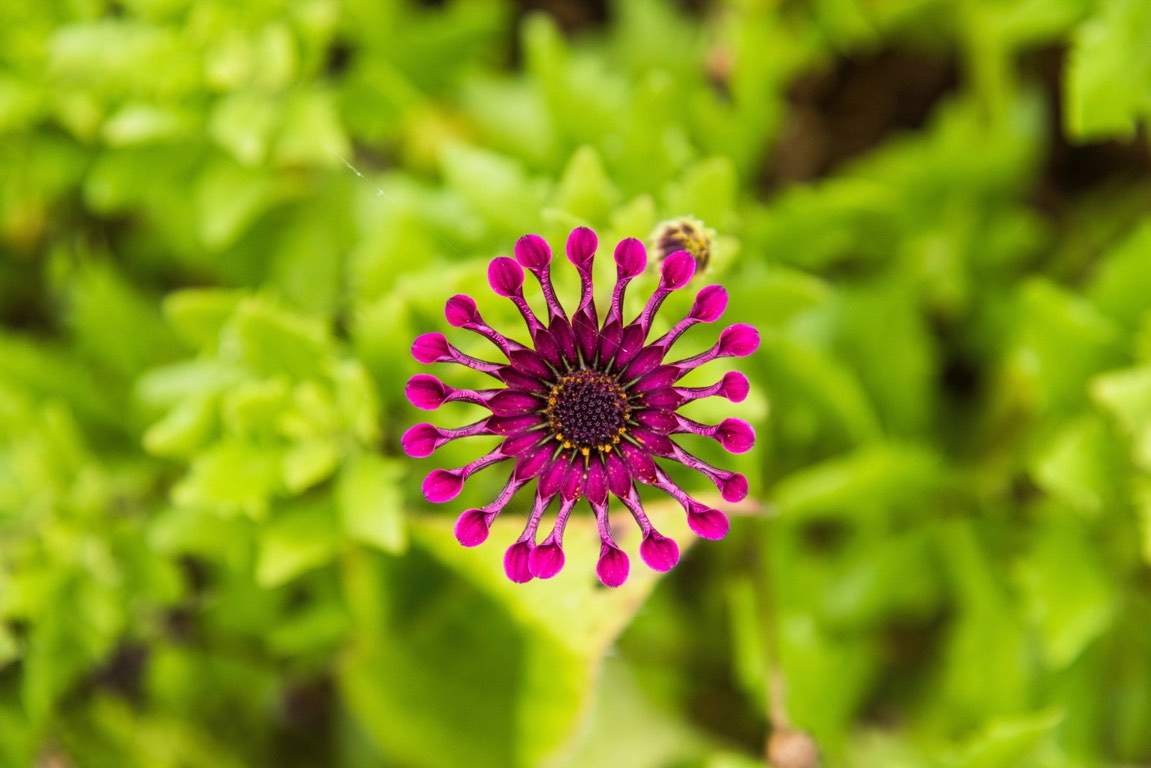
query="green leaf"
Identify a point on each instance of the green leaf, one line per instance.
(1062, 341)
(301, 537)
(142, 123)
(879, 475)
(1010, 742)
(496, 187)
(309, 462)
(1127, 395)
(106, 311)
(585, 191)
(244, 122)
(199, 314)
(880, 330)
(440, 688)
(184, 429)
(1070, 595)
(980, 675)
(228, 199)
(9, 648)
(549, 639)
(813, 389)
(1110, 65)
(1081, 465)
(1121, 282)
(312, 132)
(371, 502)
(708, 190)
(231, 476)
(272, 341)
(775, 295)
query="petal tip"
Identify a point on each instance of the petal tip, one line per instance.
(425, 391)
(630, 258)
(461, 310)
(546, 560)
(472, 528)
(659, 552)
(710, 304)
(516, 561)
(581, 247)
(442, 485)
(735, 386)
(734, 488)
(738, 340)
(533, 252)
(677, 271)
(612, 567)
(736, 435)
(419, 441)
(505, 276)
(709, 524)
(430, 348)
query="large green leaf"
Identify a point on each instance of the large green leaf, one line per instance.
(513, 667)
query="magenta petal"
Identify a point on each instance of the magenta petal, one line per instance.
(522, 444)
(618, 475)
(431, 348)
(710, 304)
(512, 425)
(553, 476)
(734, 488)
(630, 258)
(735, 386)
(533, 252)
(630, 345)
(609, 341)
(653, 442)
(505, 276)
(509, 402)
(677, 271)
(736, 435)
(534, 463)
(517, 379)
(659, 552)
(659, 420)
(472, 528)
(573, 484)
(442, 485)
(548, 348)
(666, 398)
(640, 462)
(586, 336)
(561, 331)
(645, 362)
(738, 340)
(581, 246)
(612, 567)
(709, 524)
(596, 489)
(516, 561)
(546, 560)
(663, 376)
(426, 391)
(420, 441)
(531, 364)
(461, 310)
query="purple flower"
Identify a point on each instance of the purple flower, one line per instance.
(585, 409)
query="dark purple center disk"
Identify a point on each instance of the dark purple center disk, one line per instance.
(588, 410)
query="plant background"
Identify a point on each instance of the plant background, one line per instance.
(213, 552)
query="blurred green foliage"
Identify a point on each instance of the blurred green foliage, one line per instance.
(222, 223)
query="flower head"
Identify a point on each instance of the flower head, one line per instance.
(683, 234)
(586, 409)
